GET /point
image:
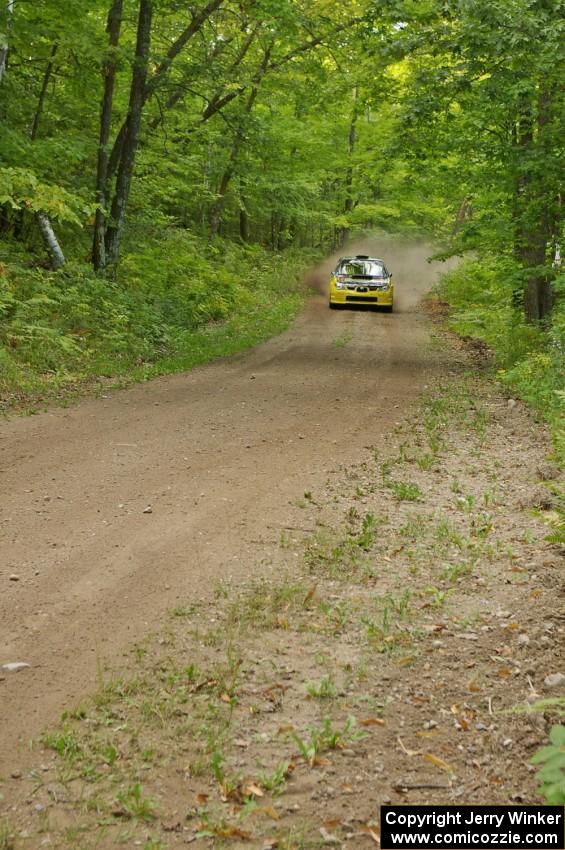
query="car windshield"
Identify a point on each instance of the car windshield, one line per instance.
(365, 268)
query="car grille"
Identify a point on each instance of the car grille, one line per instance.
(370, 299)
(354, 287)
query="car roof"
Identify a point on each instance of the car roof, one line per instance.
(361, 257)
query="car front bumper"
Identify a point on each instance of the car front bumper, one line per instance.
(378, 298)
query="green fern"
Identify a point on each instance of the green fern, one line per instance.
(552, 774)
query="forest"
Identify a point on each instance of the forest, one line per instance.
(168, 170)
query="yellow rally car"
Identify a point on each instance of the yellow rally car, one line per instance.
(361, 280)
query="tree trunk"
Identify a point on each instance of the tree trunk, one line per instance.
(150, 86)
(50, 240)
(532, 222)
(131, 142)
(218, 208)
(243, 214)
(43, 93)
(349, 201)
(109, 71)
(5, 44)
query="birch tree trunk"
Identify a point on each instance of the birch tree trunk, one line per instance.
(131, 142)
(51, 242)
(110, 69)
(5, 44)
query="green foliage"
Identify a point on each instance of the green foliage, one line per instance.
(530, 359)
(21, 190)
(175, 303)
(552, 774)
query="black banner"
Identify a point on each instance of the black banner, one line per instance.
(472, 827)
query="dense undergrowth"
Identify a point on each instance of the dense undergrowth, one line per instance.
(530, 358)
(177, 302)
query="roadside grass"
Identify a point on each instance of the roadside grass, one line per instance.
(243, 703)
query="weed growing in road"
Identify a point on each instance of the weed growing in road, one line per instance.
(337, 615)
(385, 630)
(426, 461)
(453, 572)
(135, 806)
(326, 737)
(368, 530)
(65, 744)
(275, 782)
(438, 597)
(415, 527)
(265, 604)
(324, 689)
(405, 491)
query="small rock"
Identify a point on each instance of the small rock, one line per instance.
(523, 640)
(16, 774)
(504, 615)
(507, 742)
(14, 577)
(512, 403)
(148, 510)
(481, 727)
(555, 680)
(327, 837)
(15, 666)
(430, 724)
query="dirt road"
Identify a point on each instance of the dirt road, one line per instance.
(113, 510)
